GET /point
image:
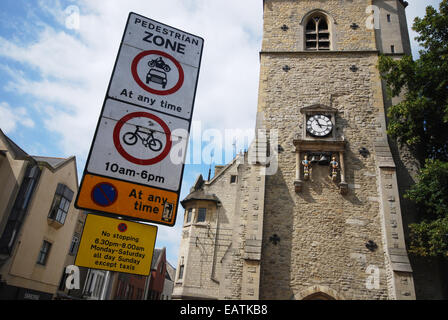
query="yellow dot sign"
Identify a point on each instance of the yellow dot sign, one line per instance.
(127, 199)
(116, 245)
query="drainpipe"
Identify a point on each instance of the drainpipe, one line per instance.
(213, 277)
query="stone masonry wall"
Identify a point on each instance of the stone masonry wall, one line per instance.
(343, 13)
(323, 233)
(214, 250)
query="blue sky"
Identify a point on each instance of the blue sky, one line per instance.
(54, 72)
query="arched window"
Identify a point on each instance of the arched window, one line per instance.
(317, 33)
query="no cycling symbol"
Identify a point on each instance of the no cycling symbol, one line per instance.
(137, 140)
(157, 72)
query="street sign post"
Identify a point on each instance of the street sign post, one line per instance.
(142, 133)
(116, 245)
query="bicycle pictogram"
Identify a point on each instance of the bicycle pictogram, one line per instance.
(145, 135)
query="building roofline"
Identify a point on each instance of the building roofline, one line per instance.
(221, 172)
(55, 166)
(52, 163)
(16, 152)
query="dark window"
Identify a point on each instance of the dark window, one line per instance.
(317, 33)
(19, 209)
(61, 203)
(74, 245)
(44, 252)
(392, 49)
(233, 179)
(202, 212)
(181, 272)
(388, 18)
(189, 212)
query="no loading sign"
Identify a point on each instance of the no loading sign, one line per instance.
(157, 72)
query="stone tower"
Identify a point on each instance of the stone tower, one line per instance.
(333, 205)
(314, 209)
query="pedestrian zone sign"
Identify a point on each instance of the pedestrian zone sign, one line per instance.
(136, 160)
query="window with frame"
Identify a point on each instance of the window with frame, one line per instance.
(202, 213)
(181, 269)
(15, 220)
(61, 203)
(43, 253)
(189, 213)
(74, 245)
(317, 33)
(181, 272)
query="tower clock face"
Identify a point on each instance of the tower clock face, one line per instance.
(319, 125)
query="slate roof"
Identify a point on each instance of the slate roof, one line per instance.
(200, 195)
(54, 163)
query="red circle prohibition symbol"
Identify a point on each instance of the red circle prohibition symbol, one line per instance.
(144, 86)
(127, 156)
(104, 194)
(122, 227)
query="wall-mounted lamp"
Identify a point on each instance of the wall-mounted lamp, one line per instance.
(371, 245)
(364, 152)
(274, 239)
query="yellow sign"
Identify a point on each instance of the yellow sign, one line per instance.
(127, 199)
(116, 245)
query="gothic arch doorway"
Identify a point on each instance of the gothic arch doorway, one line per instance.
(319, 293)
(319, 296)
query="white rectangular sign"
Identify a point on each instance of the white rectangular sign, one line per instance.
(138, 145)
(157, 67)
(142, 133)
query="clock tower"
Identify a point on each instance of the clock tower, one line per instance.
(314, 209)
(332, 223)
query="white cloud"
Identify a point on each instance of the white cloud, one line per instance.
(11, 117)
(75, 67)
